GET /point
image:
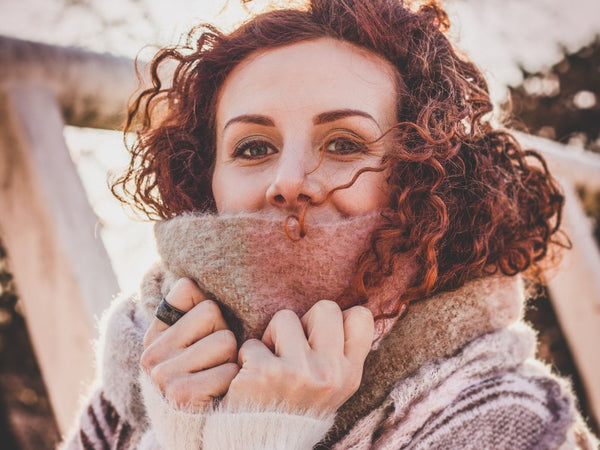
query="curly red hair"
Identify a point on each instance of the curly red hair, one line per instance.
(466, 199)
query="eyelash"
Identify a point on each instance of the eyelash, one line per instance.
(357, 145)
(249, 143)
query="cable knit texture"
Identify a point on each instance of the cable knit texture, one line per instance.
(456, 372)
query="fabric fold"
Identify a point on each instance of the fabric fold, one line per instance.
(252, 268)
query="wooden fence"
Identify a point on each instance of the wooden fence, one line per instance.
(61, 269)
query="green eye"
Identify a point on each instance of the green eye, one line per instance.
(345, 146)
(254, 149)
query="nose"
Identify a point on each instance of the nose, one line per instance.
(295, 180)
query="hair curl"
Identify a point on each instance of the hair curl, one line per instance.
(466, 199)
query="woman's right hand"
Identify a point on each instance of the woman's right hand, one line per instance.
(194, 360)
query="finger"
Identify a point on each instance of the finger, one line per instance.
(252, 353)
(197, 390)
(324, 326)
(202, 321)
(358, 330)
(184, 295)
(214, 350)
(285, 334)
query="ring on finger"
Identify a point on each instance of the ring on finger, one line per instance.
(167, 313)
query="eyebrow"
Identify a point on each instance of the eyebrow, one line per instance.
(257, 119)
(319, 119)
(332, 116)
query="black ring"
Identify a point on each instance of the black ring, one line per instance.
(168, 313)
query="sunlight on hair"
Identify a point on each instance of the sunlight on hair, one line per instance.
(258, 6)
(128, 239)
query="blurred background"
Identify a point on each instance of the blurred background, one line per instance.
(541, 57)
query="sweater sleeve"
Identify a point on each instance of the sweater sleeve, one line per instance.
(263, 430)
(222, 429)
(100, 426)
(113, 414)
(171, 427)
(126, 411)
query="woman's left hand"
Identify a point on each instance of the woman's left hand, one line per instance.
(312, 364)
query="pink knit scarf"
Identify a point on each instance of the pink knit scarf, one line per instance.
(248, 264)
(253, 269)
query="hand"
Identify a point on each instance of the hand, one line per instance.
(194, 360)
(313, 364)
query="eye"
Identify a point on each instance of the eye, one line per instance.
(345, 146)
(253, 149)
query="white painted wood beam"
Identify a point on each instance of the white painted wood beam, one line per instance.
(91, 88)
(61, 270)
(575, 164)
(575, 295)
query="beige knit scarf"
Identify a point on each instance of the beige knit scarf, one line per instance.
(249, 264)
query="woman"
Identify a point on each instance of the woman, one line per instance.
(341, 241)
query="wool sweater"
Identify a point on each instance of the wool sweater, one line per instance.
(457, 372)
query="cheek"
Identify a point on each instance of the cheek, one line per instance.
(368, 193)
(234, 193)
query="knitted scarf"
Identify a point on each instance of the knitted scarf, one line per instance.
(253, 269)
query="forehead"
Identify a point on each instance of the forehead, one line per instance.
(310, 77)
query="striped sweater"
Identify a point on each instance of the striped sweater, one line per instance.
(457, 372)
(492, 395)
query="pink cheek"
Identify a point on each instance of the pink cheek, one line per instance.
(239, 196)
(350, 203)
(361, 199)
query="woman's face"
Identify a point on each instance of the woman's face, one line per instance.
(279, 107)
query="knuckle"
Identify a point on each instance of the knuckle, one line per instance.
(160, 375)
(185, 286)
(226, 340)
(245, 352)
(148, 359)
(210, 309)
(246, 345)
(249, 343)
(284, 316)
(361, 313)
(326, 307)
